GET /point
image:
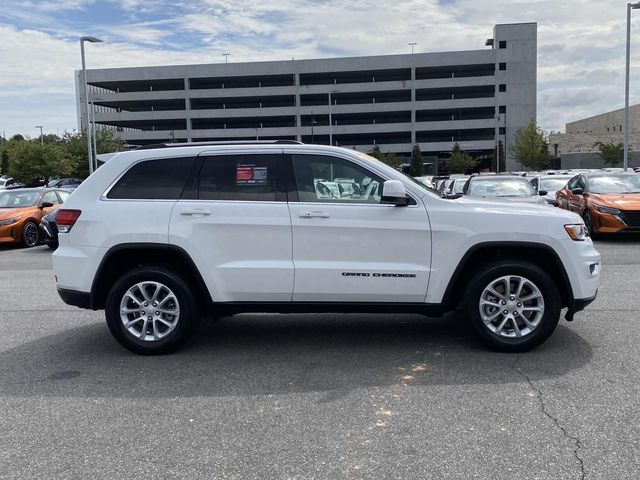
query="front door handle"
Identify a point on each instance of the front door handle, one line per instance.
(195, 211)
(314, 214)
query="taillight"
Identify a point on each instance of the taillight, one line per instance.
(66, 218)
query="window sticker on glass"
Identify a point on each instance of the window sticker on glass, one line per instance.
(251, 175)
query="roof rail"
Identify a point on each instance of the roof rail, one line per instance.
(212, 143)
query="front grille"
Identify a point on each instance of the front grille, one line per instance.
(631, 218)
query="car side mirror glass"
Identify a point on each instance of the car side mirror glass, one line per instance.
(46, 205)
(393, 191)
(577, 191)
(542, 193)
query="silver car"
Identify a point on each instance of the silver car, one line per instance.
(511, 188)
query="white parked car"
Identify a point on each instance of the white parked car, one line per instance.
(503, 188)
(157, 236)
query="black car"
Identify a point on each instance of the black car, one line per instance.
(49, 229)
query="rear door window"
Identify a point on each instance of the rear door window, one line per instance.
(250, 177)
(161, 179)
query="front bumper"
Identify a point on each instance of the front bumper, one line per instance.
(577, 305)
(10, 233)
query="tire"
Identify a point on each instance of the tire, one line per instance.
(501, 334)
(30, 234)
(166, 332)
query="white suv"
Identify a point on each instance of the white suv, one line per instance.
(157, 236)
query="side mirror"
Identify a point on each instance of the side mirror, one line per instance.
(577, 191)
(393, 191)
(46, 205)
(542, 193)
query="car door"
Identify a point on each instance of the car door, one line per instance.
(352, 247)
(234, 222)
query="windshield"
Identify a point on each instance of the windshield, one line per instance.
(553, 184)
(18, 199)
(515, 187)
(615, 184)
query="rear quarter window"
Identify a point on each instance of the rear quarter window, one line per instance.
(161, 179)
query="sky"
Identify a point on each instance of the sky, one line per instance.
(581, 44)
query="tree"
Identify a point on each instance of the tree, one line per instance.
(31, 162)
(4, 162)
(531, 149)
(390, 159)
(416, 161)
(460, 162)
(611, 153)
(17, 138)
(75, 143)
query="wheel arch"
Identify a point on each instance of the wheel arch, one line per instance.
(122, 258)
(485, 253)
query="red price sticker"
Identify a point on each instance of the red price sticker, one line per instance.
(244, 174)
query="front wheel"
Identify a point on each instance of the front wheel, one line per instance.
(513, 306)
(151, 311)
(30, 234)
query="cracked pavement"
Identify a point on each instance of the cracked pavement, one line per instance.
(317, 396)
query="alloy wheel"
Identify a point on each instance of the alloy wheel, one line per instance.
(511, 306)
(30, 234)
(149, 311)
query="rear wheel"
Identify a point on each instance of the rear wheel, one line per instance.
(513, 306)
(151, 311)
(30, 234)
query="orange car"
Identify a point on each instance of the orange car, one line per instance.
(608, 202)
(21, 211)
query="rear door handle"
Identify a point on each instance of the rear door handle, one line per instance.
(314, 214)
(195, 211)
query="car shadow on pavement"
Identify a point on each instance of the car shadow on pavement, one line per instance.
(275, 354)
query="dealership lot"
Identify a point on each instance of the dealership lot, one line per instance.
(317, 396)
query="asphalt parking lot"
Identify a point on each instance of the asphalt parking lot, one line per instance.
(317, 396)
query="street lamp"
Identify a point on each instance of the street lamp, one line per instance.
(313, 123)
(413, 44)
(625, 164)
(41, 137)
(86, 97)
(226, 57)
(330, 118)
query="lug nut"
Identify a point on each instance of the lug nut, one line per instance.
(519, 305)
(157, 314)
(512, 297)
(149, 318)
(146, 304)
(505, 312)
(503, 302)
(155, 304)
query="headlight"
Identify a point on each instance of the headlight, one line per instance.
(612, 211)
(10, 221)
(577, 232)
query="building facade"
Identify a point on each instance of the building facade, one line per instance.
(394, 101)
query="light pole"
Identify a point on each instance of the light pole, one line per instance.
(41, 137)
(625, 164)
(86, 98)
(413, 44)
(330, 117)
(226, 57)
